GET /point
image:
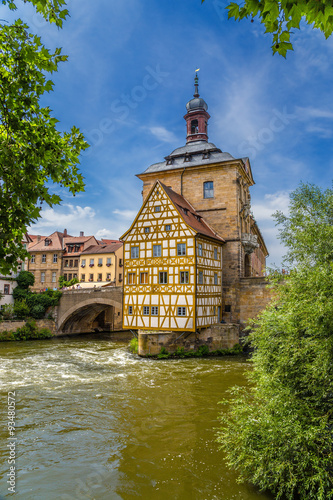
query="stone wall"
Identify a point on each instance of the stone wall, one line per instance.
(41, 323)
(254, 297)
(219, 336)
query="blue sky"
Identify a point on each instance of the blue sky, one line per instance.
(129, 75)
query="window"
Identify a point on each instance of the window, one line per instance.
(131, 278)
(70, 276)
(215, 253)
(91, 262)
(167, 227)
(54, 277)
(184, 277)
(65, 277)
(43, 258)
(154, 311)
(134, 253)
(55, 258)
(120, 277)
(200, 250)
(83, 263)
(76, 263)
(146, 310)
(74, 275)
(200, 278)
(71, 263)
(215, 279)
(120, 262)
(147, 229)
(83, 277)
(194, 126)
(77, 248)
(157, 250)
(157, 208)
(143, 278)
(6, 289)
(208, 189)
(99, 277)
(130, 310)
(70, 249)
(181, 311)
(91, 277)
(108, 276)
(42, 277)
(100, 262)
(33, 259)
(227, 309)
(163, 278)
(108, 261)
(181, 249)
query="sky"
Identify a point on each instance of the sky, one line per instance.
(127, 80)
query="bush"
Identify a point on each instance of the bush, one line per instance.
(20, 293)
(25, 279)
(21, 309)
(133, 345)
(7, 311)
(38, 311)
(29, 331)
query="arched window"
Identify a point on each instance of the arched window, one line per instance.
(194, 126)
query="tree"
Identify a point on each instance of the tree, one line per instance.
(34, 155)
(25, 279)
(280, 17)
(278, 432)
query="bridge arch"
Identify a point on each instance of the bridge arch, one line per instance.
(82, 312)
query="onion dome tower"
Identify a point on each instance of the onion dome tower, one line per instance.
(196, 116)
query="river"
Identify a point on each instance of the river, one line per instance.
(94, 421)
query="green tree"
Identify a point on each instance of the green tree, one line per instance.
(278, 433)
(34, 155)
(25, 279)
(281, 17)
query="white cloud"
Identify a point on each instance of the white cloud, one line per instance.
(271, 203)
(66, 216)
(310, 112)
(126, 214)
(162, 134)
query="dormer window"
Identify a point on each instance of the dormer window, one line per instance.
(185, 210)
(47, 243)
(187, 157)
(169, 161)
(194, 126)
(205, 155)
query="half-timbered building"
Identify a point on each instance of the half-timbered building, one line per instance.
(172, 266)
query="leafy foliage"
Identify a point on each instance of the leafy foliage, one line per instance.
(281, 17)
(34, 155)
(63, 282)
(29, 331)
(21, 309)
(25, 279)
(278, 433)
(133, 345)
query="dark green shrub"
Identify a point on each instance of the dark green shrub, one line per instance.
(163, 354)
(38, 311)
(25, 279)
(20, 293)
(21, 309)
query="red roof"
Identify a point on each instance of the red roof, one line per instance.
(190, 216)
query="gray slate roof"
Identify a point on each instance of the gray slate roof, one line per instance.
(196, 151)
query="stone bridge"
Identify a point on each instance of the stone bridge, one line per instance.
(89, 310)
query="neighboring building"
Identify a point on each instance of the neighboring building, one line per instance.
(102, 265)
(46, 260)
(172, 266)
(73, 248)
(214, 186)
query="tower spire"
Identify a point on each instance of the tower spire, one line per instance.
(196, 86)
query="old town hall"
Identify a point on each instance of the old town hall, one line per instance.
(194, 256)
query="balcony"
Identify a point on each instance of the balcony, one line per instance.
(249, 242)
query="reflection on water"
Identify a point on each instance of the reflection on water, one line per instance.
(96, 422)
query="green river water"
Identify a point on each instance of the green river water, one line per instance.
(94, 421)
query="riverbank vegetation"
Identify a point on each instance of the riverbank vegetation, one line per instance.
(28, 304)
(29, 331)
(278, 433)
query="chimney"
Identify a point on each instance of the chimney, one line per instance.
(38, 238)
(65, 232)
(81, 233)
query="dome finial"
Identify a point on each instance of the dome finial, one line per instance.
(196, 84)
